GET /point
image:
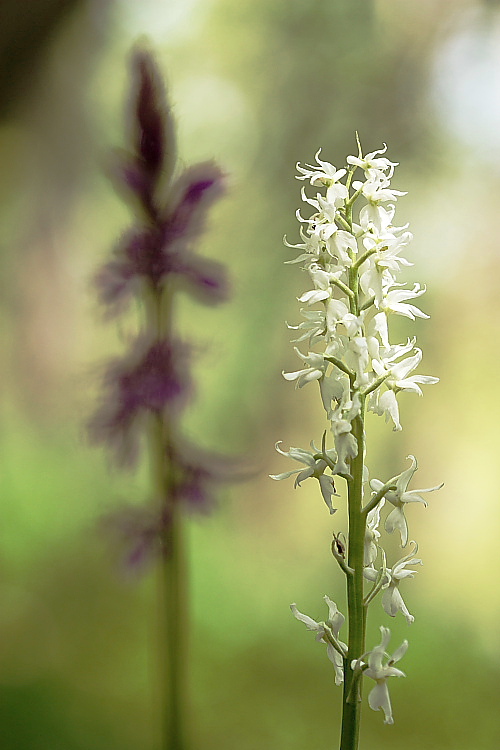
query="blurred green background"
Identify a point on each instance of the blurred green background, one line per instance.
(258, 85)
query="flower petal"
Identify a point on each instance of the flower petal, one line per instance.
(308, 621)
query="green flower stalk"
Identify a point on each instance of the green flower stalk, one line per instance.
(351, 251)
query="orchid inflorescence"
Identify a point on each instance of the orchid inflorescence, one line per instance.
(353, 259)
(145, 391)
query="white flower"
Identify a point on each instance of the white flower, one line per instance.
(323, 222)
(378, 326)
(337, 313)
(357, 358)
(392, 601)
(315, 371)
(398, 374)
(377, 221)
(399, 497)
(343, 244)
(386, 403)
(377, 276)
(326, 175)
(394, 301)
(334, 387)
(313, 327)
(315, 468)
(375, 280)
(322, 283)
(345, 442)
(376, 189)
(311, 244)
(325, 631)
(370, 163)
(372, 534)
(378, 698)
(396, 379)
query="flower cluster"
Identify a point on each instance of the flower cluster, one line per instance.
(352, 253)
(145, 390)
(333, 251)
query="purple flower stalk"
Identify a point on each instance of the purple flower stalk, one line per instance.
(154, 259)
(145, 390)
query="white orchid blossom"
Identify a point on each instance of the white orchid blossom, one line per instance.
(376, 189)
(395, 378)
(372, 534)
(315, 468)
(328, 632)
(326, 175)
(399, 497)
(312, 245)
(315, 371)
(322, 222)
(379, 698)
(341, 428)
(392, 601)
(323, 289)
(313, 327)
(378, 223)
(344, 246)
(395, 301)
(371, 164)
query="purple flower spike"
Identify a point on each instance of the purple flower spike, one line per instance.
(155, 259)
(154, 131)
(152, 378)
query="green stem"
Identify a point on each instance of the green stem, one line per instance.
(340, 284)
(343, 222)
(377, 497)
(363, 257)
(356, 609)
(341, 366)
(172, 594)
(376, 384)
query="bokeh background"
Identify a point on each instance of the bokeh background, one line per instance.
(258, 85)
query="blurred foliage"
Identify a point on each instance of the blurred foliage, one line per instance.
(259, 86)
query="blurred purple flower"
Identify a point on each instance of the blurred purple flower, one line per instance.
(140, 531)
(165, 248)
(198, 475)
(151, 378)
